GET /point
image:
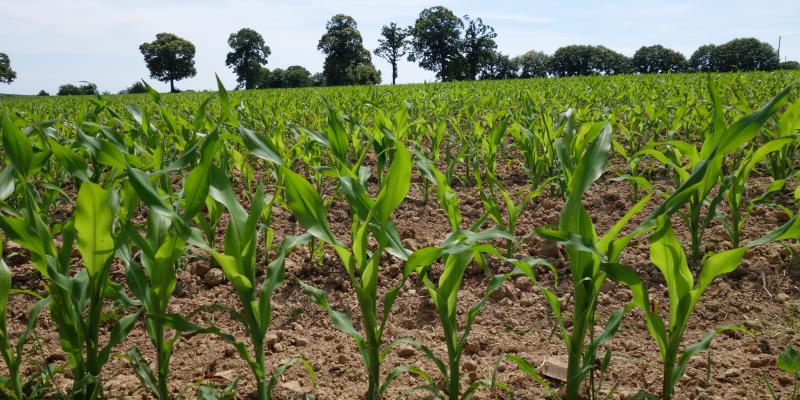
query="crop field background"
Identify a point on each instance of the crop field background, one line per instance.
(629, 236)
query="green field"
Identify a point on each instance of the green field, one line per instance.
(110, 202)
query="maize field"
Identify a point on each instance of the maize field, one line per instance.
(599, 237)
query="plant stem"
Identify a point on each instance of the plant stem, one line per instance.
(261, 380)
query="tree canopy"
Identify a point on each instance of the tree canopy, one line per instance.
(658, 59)
(7, 75)
(745, 54)
(533, 64)
(478, 46)
(576, 60)
(248, 55)
(436, 41)
(347, 62)
(169, 58)
(392, 46)
(702, 59)
(69, 89)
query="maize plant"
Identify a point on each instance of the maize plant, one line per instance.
(371, 219)
(458, 250)
(584, 262)
(152, 279)
(718, 142)
(668, 256)
(12, 351)
(239, 262)
(76, 300)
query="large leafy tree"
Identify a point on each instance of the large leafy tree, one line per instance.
(478, 45)
(702, 59)
(609, 62)
(587, 60)
(436, 41)
(498, 66)
(746, 54)
(532, 64)
(249, 54)
(169, 58)
(297, 76)
(7, 75)
(658, 59)
(69, 89)
(392, 46)
(346, 59)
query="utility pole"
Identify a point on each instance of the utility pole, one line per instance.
(779, 48)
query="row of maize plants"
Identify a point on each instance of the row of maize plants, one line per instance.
(146, 180)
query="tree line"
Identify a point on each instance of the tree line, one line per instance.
(439, 41)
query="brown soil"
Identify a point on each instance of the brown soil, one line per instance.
(763, 296)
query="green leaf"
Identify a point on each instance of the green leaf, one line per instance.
(259, 147)
(93, 221)
(17, 146)
(789, 361)
(306, 205)
(396, 185)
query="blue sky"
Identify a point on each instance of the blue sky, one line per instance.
(52, 42)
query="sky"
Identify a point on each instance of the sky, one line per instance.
(53, 42)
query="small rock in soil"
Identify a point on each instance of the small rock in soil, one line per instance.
(301, 342)
(214, 277)
(293, 386)
(733, 373)
(405, 351)
(469, 366)
(198, 268)
(472, 347)
(523, 283)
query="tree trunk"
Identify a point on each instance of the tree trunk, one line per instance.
(172, 86)
(394, 72)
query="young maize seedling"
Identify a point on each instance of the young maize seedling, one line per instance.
(585, 252)
(459, 249)
(789, 361)
(735, 187)
(151, 276)
(668, 256)
(12, 352)
(76, 300)
(239, 262)
(717, 143)
(371, 219)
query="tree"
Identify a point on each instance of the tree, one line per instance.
(789, 65)
(345, 52)
(587, 60)
(532, 64)
(608, 62)
(498, 66)
(318, 79)
(87, 88)
(297, 76)
(7, 75)
(702, 59)
(249, 55)
(136, 87)
(169, 58)
(478, 45)
(392, 46)
(436, 41)
(747, 54)
(658, 59)
(43, 93)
